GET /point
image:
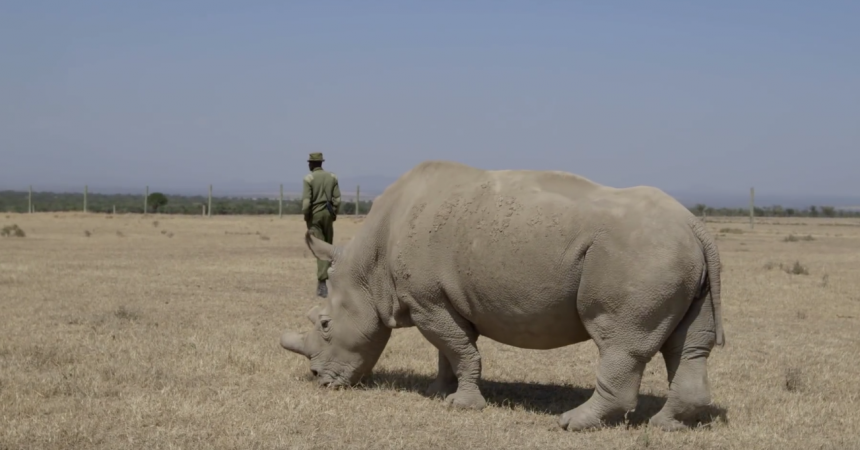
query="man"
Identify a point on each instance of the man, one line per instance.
(320, 206)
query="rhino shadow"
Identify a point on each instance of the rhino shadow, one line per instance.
(549, 399)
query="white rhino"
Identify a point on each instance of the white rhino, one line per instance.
(531, 259)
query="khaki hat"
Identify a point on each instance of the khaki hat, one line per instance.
(316, 157)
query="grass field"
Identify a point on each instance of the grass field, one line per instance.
(162, 332)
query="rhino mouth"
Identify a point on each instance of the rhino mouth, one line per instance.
(332, 383)
(331, 380)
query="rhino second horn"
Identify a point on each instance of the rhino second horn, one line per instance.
(294, 342)
(313, 314)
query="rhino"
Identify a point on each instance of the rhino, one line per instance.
(531, 259)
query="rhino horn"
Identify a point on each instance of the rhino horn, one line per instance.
(321, 249)
(294, 342)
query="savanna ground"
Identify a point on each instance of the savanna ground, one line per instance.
(162, 332)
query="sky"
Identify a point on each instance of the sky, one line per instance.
(697, 96)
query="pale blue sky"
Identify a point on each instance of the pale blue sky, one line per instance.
(667, 93)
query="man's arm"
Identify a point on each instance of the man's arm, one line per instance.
(335, 195)
(306, 195)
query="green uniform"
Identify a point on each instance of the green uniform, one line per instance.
(319, 186)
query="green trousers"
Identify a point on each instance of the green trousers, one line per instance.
(321, 227)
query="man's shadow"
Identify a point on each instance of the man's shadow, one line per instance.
(549, 399)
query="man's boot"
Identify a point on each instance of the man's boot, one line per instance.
(322, 289)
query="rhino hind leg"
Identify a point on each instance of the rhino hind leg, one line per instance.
(626, 341)
(445, 383)
(686, 354)
(619, 375)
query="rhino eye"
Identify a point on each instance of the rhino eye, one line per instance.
(324, 324)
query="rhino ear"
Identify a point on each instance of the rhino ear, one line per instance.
(322, 250)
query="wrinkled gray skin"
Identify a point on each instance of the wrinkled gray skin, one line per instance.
(531, 259)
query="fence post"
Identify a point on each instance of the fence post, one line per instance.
(357, 194)
(30, 201)
(203, 210)
(86, 189)
(146, 201)
(114, 209)
(281, 204)
(209, 210)
(752, 208)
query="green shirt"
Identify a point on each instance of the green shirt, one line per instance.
(315, 187)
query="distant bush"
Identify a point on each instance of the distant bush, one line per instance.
(127, 314)
(12, 231)
(793, 238)
(156, 200)
(797, 269)
(793, 380)
(731, 230)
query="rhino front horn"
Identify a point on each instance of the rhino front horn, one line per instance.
(294, 342)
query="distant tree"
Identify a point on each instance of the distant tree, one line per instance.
(790, 212)
(813, 211)
(700, 208)
(156, 200)
(828, 211)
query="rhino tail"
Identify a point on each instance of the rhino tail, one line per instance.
(712, 261)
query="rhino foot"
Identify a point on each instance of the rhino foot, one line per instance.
(580, 419)
(466, 400)
(667, 423)
(441, 388)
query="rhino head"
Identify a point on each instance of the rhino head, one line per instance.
(348, 337)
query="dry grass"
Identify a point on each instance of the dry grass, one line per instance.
(127, 339)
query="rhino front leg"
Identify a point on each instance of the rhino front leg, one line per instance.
(445, 383)
(456, 340)
(466, 363)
